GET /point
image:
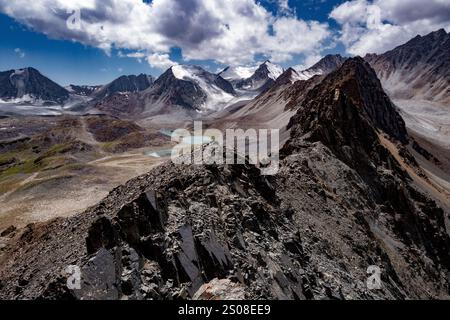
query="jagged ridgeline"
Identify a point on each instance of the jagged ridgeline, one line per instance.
(344, 199)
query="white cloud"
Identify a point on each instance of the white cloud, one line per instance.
(231, 32)
(160, 61)
(286, 34)
(20, 52)
(137, 55)
(380, 25)
(284, 8)
(308, 62)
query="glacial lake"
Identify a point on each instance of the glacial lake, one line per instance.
(186, 141)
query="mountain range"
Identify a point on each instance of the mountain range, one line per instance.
(349, 194)
(417, 69)
(278, 102)
(415, 75)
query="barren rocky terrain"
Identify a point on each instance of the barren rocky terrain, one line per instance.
(58, 166)
(349, 194)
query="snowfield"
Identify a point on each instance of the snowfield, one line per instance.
(12, 109)
(238, 73)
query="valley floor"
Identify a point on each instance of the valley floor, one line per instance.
(57, 166)
(43, 196)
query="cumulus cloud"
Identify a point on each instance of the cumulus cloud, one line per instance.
(20, 52)
(135, 55)
(231, 32)
(284, 8)
(287, 30)
(380, 25)
(160, 61)
(308, 62)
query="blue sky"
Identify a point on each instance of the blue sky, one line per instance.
(65, 62)
(207, 33)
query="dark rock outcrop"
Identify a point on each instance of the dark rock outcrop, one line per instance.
(348, 108)
(349, 113)
(299, 90)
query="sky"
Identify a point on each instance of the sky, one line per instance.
(95, 41)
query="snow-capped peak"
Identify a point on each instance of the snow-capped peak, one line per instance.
(237, 73)
(183, 72)
(217, 97)
(274, 70)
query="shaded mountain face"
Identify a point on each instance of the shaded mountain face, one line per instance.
(327, 64)
(190, 87)
(341, 202)
(287, 77)
(28, 85)
(297, 92)
(82, 90)
(124, 105)
(125, 84)
(169, 90)
(263, 78)
(418, 69)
